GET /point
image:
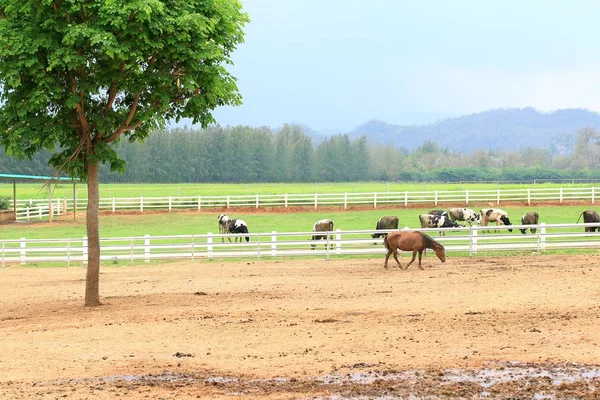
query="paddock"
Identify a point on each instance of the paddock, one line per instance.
(283, 329)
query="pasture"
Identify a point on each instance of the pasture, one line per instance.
(480, 327)
(108, 190)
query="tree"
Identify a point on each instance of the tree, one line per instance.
(77, 77)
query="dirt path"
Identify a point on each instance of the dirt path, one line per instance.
(304, 329)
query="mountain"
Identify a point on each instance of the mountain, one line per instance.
(502, 129)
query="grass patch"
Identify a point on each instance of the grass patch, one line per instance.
(108, 190)
(200, 223)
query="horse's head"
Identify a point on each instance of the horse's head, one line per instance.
(440, 252)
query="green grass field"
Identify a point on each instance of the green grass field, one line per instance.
(187, 223)
(37, 191)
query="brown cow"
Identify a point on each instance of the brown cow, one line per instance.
(530, 218)
(590, 217)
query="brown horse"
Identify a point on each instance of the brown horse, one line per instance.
(411, 241)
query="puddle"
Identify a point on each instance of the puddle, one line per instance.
(552, 376)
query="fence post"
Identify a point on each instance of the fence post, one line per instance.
(146, 248)
(345, 200)
(68, 252)
(273, 243)
(209, 242)
(405, 199)
(560, 191)
(3, 254)
(114, 205)
(435, 199)
(256, 201)
(593, 195)
(498, 198)
(142, 204)
(375, 200)
(285, 200)
(543, 236)
(473, 241)
(258, 245)
(131, 251)
(199, 202)
(84, 250)
(23, 256)
(338, 238)
(227, 202)
(170, 203)
(467, 197)
(528, 196)
(316, 196)
(193, 247)
(64, 205)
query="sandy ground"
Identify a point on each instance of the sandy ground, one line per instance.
(491, 327)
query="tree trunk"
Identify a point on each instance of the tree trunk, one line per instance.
(92, 284)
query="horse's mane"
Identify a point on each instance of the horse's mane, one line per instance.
(430, 243)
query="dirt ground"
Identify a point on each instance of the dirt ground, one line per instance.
(493, 327)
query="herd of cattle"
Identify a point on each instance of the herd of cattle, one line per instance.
(434, 219)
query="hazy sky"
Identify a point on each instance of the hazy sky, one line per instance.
(334, 64)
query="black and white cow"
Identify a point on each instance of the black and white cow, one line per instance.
(590, 217)
(385, 223)
(238, 226)
(464, 214)
(322, 225)
(436, 212)
(434, 221)
(530, 218)
(224, 225)
(500, 217)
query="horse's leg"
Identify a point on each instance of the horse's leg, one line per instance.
(412, 259)
(396, 258)
(387, 256)
(420, 255)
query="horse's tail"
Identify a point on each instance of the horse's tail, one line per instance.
(386, 243)
(580, 217)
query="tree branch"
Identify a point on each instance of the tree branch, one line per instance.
(122, 129)
(79, 107)
(112, 94)
(126, 125)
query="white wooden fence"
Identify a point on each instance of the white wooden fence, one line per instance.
(291, 244)
(375, 199)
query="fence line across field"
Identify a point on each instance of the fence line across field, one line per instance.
(468, 240)
(28, 209)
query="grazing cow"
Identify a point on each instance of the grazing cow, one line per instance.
(323, 225)
(464, 214)
(439, 213)
(223, 225)
(500, 217)
(590, 217)
(434, 221)
(385, 223)
(238, 226)
(530, 218)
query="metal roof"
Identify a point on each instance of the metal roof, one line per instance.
(37, 177)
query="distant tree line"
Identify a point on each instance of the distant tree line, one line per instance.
(245, 154)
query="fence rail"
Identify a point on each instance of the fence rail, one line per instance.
(468, 240)
(28, 209)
